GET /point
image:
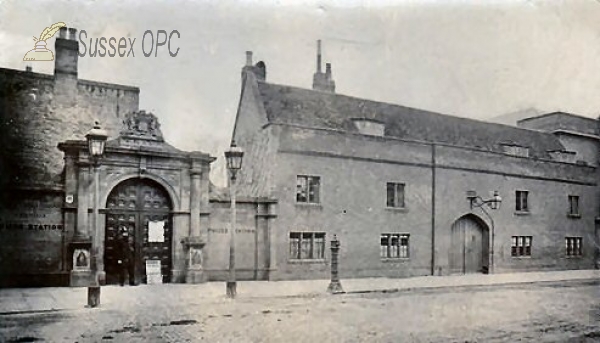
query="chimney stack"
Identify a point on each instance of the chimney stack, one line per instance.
(323, 81)
(67, 52)
(259, 69)
(248, 58)
(319, 56)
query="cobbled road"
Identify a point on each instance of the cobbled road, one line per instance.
(557, 312)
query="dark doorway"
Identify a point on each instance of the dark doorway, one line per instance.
(142, 207)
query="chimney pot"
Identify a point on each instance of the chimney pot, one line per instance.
(62, 33)
(28, 68)
(319, 56)
(328, 68)
(72, 33)
(248, 58)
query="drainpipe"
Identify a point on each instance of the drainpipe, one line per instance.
(432, 209)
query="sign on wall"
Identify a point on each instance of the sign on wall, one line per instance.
(153, 272)
(156, 231)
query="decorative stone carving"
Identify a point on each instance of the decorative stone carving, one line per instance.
(195, 257)
(142, 125)
(81, 259)
(194, 273)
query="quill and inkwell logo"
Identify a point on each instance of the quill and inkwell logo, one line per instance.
(40, 52)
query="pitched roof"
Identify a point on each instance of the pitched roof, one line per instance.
(305, 107)
(561, 121)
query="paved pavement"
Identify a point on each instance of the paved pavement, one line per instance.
(24, 300)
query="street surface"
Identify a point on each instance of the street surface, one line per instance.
(545, 312)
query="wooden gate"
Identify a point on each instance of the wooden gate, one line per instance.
(142, 207)
(469, 247)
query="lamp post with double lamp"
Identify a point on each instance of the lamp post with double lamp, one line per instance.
(233, 157)
(96, 139)
(494, 203)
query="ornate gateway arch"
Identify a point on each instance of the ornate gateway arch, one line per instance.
(142, 181)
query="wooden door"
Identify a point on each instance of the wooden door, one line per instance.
(142, 207)
(468, 247)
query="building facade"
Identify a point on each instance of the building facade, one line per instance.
(61, 213)
(399, 186)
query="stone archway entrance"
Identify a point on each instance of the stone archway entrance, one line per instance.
(142, 207)
(469, 246)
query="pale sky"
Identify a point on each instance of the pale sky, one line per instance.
(462, 58)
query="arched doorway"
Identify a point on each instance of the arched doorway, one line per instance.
(142, 207)
(469, 246)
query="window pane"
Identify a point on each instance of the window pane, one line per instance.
(319, 245)
(524, 203)
(518, 201)
(404, 246)
(384, 246)
(294, 245)
(394, 246)
(400, 194)
(390, 195)
(301, 189)
(315, 189)
(521, 246)
(306, 251)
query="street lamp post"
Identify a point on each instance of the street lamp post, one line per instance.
(335, 286)
(494, 203)
(96, 139)
(233, 157)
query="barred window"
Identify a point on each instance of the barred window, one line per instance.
(395, 195)
(521, 246)
(307, 245)
(394, 245)
(308, 189)
(573, 246)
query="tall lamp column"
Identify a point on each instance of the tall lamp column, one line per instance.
(96, 139)
(233, 157)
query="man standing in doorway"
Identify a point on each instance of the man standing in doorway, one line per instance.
(125, 258)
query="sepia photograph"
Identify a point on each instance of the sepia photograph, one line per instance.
(300, 171)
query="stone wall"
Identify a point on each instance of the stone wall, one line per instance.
(37, 111)
(252, 257)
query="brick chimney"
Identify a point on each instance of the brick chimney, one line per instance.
(66, 53)
(323, 81)
(66, 50)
